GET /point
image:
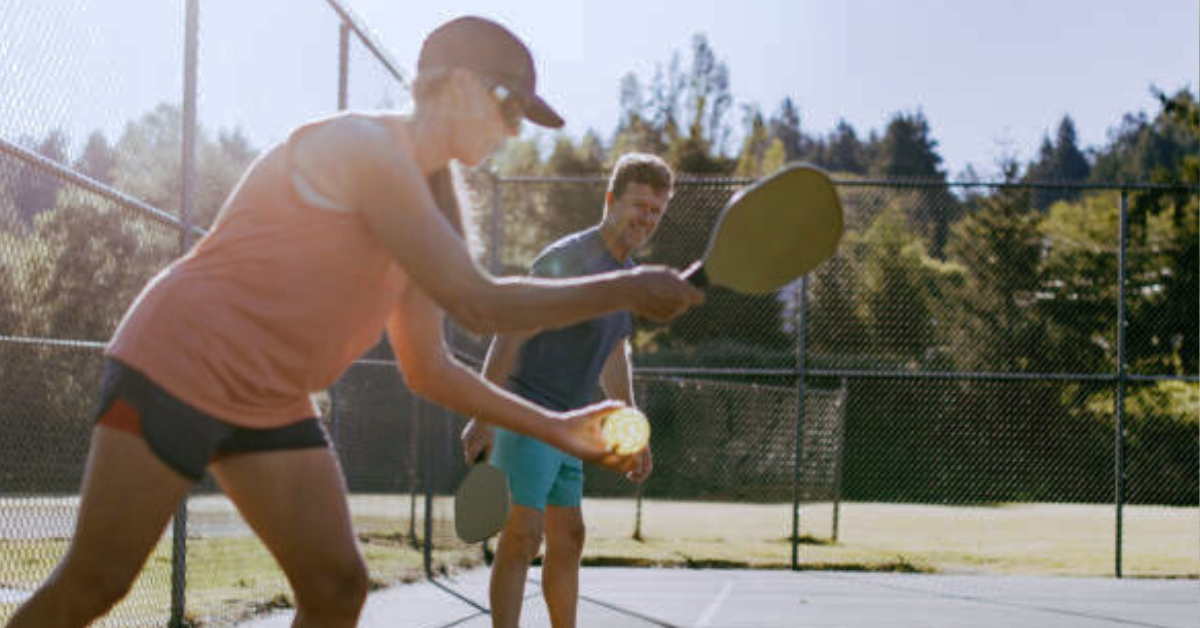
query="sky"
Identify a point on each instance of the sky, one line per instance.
(991, 77)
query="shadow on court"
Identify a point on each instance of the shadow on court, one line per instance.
(679, 598)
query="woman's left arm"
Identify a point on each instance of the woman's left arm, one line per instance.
(415, 332)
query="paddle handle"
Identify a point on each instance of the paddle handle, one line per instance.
(697, 277)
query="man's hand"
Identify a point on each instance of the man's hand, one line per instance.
(477, 438)
(645, 466)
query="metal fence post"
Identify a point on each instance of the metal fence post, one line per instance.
(801, 385)
(496, 226)
(414, 459)
(1119, 397)
(343, 101)
(427, 485)
(188, 174)
(840, 439)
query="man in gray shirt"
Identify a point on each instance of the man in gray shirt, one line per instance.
(561, 369)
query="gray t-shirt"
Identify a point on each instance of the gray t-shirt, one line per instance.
(560, 368)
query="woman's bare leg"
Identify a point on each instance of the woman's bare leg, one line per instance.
(127, 497)
(295, 500)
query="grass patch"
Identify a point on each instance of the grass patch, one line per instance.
(1029, 539)
(228, 578)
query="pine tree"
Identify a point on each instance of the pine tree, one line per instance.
(785, 126)
(1060, 161)
(843, 152)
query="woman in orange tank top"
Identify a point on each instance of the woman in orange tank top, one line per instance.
(347, 229)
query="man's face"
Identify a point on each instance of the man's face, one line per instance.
(636, 214)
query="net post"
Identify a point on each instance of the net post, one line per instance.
(1119, 396)
(801, 385)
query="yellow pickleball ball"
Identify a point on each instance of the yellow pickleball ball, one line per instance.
(626, 430)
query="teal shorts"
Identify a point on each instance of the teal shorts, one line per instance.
(537, 473)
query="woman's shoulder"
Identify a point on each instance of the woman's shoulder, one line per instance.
(345, 134)
(335, 154)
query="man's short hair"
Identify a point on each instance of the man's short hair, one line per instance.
(640, 168)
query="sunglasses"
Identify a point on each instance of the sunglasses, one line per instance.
(510, 106)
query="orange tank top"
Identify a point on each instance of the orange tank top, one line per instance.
(274, 303)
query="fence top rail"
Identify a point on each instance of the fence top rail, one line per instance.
(368, 39)
(1125, 186)
(603, 180)
(668, 371)
(56, 169)
(1131, 186)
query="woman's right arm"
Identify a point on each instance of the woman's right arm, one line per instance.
(391, 192)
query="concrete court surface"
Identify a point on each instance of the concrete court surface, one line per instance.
(637, 598)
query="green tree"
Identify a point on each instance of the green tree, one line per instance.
(98, 159)
(837, 332)
(1165, 245)
(1079, 283)
(1058, 162)
(94, 258)
(1163, 235)
(636, 130)
(908, 151)
(898, 291)
(691, 155)
(1141, 146)
(761, 154)
(573, 206)
(999, 247)
(32, 190)
(704, 90)
(666, 92)
(522, 206)
(149, 156)
(708, 94)
(843, 152)
(785, 127)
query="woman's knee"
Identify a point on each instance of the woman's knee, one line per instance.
(339, 588)
(90, 590)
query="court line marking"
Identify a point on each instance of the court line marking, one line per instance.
(614, 607)
(707, 616)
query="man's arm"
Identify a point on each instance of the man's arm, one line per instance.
(501, 357)
(617, 377)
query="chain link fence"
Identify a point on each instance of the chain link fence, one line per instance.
(961, 350)
(967, 372)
